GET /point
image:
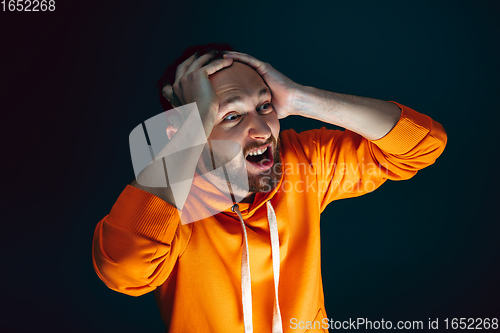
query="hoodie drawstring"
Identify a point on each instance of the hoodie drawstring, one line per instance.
(275, 251)
(246, 282)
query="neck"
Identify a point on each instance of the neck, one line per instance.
(249, 198)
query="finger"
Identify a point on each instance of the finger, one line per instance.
(175, 101)
(233, 52)
(192, 64)
(167, 92)
(217, 65)
(245, 58)
(182, 68)
(198, 63)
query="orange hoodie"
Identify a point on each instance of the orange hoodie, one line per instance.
(196, 269)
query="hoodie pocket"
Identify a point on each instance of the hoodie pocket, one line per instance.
(318, 326)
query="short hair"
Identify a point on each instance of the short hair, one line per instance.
(168, 76)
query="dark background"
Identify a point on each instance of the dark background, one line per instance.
(76, 81)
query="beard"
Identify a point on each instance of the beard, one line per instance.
(234, 172)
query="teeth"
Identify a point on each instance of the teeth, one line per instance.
(257, 152)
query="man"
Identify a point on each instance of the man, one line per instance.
(251, 259)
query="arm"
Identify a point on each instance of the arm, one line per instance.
(136, 246)
(347, 165)
(197, 107)
(370, 118)
(383, 140)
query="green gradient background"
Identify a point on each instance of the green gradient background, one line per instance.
(75, 82)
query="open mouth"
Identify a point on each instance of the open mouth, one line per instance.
(261, 158)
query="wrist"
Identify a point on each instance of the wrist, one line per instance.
(301, 100)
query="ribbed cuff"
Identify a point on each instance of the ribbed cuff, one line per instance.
(145, 214)
(411, 128)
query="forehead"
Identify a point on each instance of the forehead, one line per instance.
(236, 79)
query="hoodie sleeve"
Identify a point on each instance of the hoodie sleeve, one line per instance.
(348, 165)
(136, 246)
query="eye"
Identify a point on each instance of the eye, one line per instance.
(231, 117)
(266, 107)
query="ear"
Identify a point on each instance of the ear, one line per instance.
(171, 131)
(175, 121)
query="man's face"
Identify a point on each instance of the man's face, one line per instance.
(247, 118)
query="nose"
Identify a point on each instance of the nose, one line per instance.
(258, 128)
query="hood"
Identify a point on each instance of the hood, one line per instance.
(215, 202)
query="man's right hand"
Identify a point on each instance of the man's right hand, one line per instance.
(193, 85)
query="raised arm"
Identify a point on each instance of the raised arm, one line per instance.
(383, 140)
(370, 118)
(192, 123)
(136, 246)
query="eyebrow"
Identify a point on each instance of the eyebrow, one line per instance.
(238, 98)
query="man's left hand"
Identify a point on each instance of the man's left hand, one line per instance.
(283, 89)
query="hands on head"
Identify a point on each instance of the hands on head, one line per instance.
(283, 89)
(193, 85)
(249, 123)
